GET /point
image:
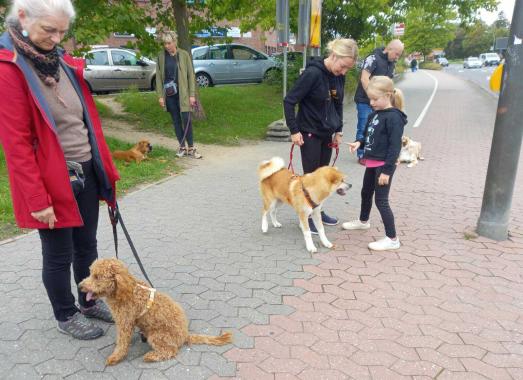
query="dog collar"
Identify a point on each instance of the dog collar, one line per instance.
(150, 301)
(308, 197)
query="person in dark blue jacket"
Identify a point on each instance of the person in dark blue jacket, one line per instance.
(381, 148)
(319, 93)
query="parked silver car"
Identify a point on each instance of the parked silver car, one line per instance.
(230, 63)
(110, 69)
(472, 62)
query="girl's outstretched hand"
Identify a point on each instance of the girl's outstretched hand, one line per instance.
(353, 147)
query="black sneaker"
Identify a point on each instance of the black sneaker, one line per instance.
(312, 227)
(99, 311)
(329, 220)
(80, 328)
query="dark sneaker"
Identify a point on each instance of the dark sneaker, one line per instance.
(99, 311)
(80, 328)
(329, 220)
(312, 227)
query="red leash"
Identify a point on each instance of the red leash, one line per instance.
(331, 145)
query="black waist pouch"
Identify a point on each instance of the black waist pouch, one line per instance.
(76, 177)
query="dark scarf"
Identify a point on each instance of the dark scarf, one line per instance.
(46, 63)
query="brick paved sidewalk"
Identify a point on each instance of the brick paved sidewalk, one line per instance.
(442, 306)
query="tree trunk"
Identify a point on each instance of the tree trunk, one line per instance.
(182, 24)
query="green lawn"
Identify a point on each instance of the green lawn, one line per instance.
(161, 163)
(234, 113)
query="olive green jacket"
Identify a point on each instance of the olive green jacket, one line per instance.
(186, 79)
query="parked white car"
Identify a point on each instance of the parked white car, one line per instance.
(472, 62)
(112, 69)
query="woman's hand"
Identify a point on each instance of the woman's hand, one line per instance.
(383, 179)
(337, 139)
(162, 102)
(45, 216)
(297, 139)
(192, 101)
(353, 147)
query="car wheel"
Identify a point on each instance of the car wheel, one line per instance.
(153, 84)
(203, 80)
(90, 88)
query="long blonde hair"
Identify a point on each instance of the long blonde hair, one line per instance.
(343, 47)
(381, 85)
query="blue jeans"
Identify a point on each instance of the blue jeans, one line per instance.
(364, 110)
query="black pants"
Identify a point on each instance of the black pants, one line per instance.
(381, 193)
(315, 152)
(180, 119)
(63, 246)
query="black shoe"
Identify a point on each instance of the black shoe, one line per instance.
(312, 227)
(329, 220)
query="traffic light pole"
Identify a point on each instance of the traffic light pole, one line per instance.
(506, 143)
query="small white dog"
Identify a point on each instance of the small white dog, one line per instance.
(410, 151)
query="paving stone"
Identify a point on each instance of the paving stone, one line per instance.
(217, 364)
(188, 372)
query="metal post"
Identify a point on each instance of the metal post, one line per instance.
(506, 142)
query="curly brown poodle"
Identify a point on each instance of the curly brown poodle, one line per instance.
(133, 304)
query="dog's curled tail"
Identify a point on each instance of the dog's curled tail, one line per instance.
(221, 340)
(268, 168)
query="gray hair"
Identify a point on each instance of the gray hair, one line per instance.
(169, 36)
(35, 9)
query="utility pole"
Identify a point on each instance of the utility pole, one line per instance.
(506, 142)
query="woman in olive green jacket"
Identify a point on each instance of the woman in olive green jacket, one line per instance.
(176, 88)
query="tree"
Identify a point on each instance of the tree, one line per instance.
(425, 31)
(477, 40)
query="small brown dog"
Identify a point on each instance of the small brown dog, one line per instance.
(410, 151)
(133, 304)
(137, 153)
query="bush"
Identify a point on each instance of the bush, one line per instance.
(430, 66)
(275, 77)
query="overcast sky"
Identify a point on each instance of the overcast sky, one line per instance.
(506, 6)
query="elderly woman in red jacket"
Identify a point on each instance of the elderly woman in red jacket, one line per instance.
(58, 162)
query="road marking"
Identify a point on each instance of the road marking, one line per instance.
(422, 114)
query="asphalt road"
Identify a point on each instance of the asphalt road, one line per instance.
(480, 77)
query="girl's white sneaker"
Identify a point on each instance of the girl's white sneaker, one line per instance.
(385, 244)
(355, 225)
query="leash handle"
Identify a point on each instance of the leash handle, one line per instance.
(290, 167)
(113, 211)
(337, 147)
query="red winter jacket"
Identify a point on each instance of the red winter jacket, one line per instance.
(35, 161)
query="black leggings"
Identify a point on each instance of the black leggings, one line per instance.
(180, 119)
(63, 246)
(315, 152)
(370, 188)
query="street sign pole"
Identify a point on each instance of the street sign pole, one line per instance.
(506, 141)
(282, 21)
(304, 17)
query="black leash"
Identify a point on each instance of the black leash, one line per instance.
(115, 217)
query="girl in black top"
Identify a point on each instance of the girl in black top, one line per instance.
(382, 145)
(319, 94)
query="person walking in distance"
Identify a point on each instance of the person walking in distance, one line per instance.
(381, 61)
(381, 144)
(319, 93)
(58, 162)
(176, 88)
